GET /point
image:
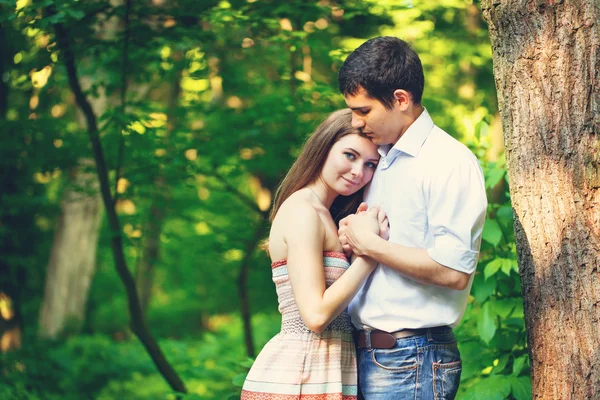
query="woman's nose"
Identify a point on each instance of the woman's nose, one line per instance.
(357, 170)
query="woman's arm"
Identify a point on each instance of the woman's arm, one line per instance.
(304, 235)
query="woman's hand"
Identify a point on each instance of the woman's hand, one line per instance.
(363, 207)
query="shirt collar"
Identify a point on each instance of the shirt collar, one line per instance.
(412, 140)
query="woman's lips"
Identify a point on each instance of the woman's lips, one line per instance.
(351, 182)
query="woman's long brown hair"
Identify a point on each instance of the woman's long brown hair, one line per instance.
(309, 164)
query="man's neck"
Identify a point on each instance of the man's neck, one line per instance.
(415, 111)
(411, 115)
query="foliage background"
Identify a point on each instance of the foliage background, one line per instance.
(254, 77)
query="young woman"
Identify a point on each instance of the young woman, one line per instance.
(313, 356)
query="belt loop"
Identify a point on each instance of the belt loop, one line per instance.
(368, 339)
(429, 335)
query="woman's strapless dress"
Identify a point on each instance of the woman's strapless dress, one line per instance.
(298, 363)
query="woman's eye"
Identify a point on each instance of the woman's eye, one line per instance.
(350, 156)
(371, 165)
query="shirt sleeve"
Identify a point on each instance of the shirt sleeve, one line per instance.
(456, 213)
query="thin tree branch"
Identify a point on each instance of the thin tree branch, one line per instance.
(241, 196)
(138, 323)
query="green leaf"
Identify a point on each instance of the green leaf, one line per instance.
(518, 312)
(502, 362)
(483, 288)
(507, 266)
(518, 365)
(248, 362)
(493, 177)
(515, 265)
(59, 17)
(521, 387)
(486, 323)
(75, 14)
(492, 233)
(505, 307)
(504, 215)
(504, 341)
(492, 267)
(515, 322)
(239, 379)
(495, 387)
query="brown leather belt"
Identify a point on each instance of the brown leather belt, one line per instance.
(386, 340)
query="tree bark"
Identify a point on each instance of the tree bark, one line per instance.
(547, 71)
(73, 255)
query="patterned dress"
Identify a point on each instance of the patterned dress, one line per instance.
(298, 363)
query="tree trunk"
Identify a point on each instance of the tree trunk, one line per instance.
(151, 251)
(144, 274)
(547, 72)
(242, 281)
(72, 260)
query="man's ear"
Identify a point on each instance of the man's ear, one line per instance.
(403, 99)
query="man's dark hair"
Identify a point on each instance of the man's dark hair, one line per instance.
(380, 66)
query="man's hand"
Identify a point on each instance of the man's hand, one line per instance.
(384, 225)
(362, 227)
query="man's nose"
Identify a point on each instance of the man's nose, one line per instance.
(357, 123)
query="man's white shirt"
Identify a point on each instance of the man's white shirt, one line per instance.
(433, 191)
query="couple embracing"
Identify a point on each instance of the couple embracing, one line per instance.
(371, 279)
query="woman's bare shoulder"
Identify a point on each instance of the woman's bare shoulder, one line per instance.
(295, 220)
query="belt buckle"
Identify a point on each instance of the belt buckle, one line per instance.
(368, 339)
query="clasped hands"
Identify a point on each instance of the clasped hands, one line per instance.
(356, 230)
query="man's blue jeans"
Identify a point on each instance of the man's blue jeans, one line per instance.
(424, 367)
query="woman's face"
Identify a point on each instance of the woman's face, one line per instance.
(350, 164)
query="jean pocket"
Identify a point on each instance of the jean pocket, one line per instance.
(446, 378)
(399, 358)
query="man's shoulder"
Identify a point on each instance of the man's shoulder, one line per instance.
(440, 145)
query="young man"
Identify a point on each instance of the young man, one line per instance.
(432, 189)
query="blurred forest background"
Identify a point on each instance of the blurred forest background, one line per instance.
(200, 107)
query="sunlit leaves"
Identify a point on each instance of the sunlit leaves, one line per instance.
(500, 264)
(233, 255)
(492, 267)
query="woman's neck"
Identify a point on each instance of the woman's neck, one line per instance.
(322, 193)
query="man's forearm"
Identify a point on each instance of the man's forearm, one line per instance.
(414, 263)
